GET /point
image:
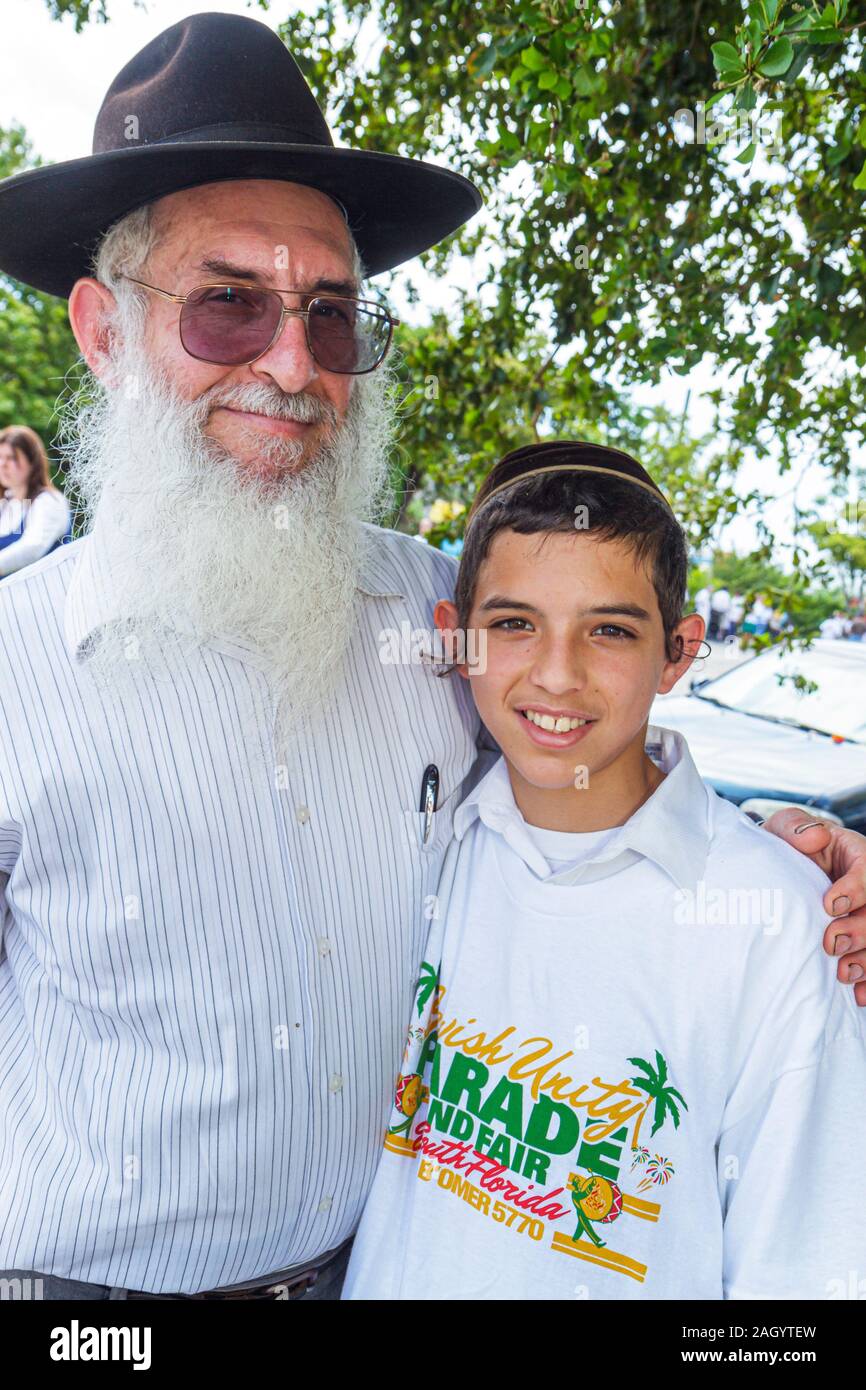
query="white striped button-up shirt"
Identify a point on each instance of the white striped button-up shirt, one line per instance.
(209, 945)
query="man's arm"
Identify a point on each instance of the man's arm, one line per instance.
(842, 855)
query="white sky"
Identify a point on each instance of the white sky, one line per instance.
(53, 81)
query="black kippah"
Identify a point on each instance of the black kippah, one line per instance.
(574, 455)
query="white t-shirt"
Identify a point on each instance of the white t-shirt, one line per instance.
(562, 847)
(636, 1078)
(720, 601)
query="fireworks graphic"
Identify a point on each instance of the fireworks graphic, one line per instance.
(659, 1170)
(641, 1156)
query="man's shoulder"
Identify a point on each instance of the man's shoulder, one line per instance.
(398, 563)
(25, 592)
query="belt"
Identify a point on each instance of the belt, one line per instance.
(280, 1290)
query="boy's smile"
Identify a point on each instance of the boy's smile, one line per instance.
(554, 728)
(575, 655)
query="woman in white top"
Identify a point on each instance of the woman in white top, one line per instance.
(34, 514)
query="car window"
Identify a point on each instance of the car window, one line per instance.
(838, 706)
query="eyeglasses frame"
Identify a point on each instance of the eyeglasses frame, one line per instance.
(284, 314)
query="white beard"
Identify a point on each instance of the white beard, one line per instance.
(198, 546)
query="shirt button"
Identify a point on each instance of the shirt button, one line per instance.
(303, 814)
(324, 946)
(336, 1083)
(326, 1204)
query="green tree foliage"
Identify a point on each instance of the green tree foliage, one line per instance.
(37, 349)
(808, 593)
(846, 551)
(631, 250)
(80, 11)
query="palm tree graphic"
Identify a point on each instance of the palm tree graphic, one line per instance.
(664, 1096)
(427, 982)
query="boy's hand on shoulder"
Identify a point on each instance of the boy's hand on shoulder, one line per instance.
(842, 855)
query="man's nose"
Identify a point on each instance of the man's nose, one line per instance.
(288, 361)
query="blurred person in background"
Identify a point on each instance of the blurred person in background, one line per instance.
(757, 618)
(34, 514)
(719, 605)
(734, 616)
(702, 605)
(834, 626)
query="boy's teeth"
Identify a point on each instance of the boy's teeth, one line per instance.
(547, 721)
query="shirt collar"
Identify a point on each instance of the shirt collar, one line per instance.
(671, 828)
(93, 601)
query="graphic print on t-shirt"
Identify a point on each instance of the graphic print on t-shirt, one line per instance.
(494, 1122)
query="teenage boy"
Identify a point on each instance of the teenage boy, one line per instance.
(604, 1093)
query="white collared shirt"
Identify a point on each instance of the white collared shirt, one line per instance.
(633, 1078)
(208, 945)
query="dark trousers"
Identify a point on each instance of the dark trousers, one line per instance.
(29, 1284)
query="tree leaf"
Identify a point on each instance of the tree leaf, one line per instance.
(534, 59)
(726, 58)
(777, 59)
(486, 62)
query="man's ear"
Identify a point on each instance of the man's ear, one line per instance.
(90, 306)
(446, 619)
(688, 635)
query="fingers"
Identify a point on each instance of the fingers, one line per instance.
(842, 855)
(839, 852)
(847, 894)
(852, 967)
(846, 935)
(845, 938)
(790, 824)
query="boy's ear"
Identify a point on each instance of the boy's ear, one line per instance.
(446, 619)
(688, 635)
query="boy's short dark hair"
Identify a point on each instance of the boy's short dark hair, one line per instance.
(614, 510)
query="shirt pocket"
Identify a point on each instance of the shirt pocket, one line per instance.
(440, 830)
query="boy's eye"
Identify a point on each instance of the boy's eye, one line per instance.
(612, 630)
(513, 624)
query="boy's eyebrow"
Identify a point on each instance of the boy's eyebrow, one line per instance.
(627, 610)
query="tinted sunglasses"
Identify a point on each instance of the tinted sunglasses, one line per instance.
(231, 325)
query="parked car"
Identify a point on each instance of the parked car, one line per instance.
(762, 742)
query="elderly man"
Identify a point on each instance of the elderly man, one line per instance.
(217, 878)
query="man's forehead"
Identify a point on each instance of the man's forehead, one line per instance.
(256, 227)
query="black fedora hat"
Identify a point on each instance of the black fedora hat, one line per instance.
(217, 97)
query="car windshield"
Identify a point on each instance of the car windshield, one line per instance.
(838, 706)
